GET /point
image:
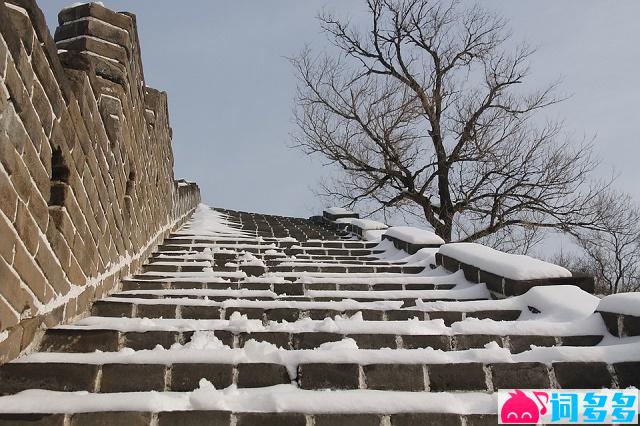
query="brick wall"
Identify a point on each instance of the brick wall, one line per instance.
(86, 166)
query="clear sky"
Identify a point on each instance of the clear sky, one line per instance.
(223, 64)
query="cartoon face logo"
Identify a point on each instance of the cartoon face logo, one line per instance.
(519, 408)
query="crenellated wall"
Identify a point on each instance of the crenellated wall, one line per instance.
(86, 165)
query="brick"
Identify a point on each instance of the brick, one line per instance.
(132, 378)
(17, 377)
(523, 375)
(582, 375)
(462, 377)
(194, 418)
(150, 339)
(109, 418)
(628, 374)
(374, 341)
(328, 376)
(520, 344)
(475, 341)
(67, 340)
(395, 377)
(257, 375)
(8, 196)
(270, 419)
(112, 309)
(631, 325)
(448, 317)
(437, 342)
(280, 339)
(26, 228)
(347, 419)
(282, 314)
(186, 377)
(312, 340)
(421, 419)
(32, 419)
(8, 318)
(481, 419)
(8, 240)
(27, 269)
(156, 311)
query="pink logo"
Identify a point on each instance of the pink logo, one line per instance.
(519, 408)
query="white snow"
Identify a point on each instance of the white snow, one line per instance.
(208, 222)
(413, 235)
(513, 266)
(280, 398)
(337, 211)
(621, 303)
(364, 224)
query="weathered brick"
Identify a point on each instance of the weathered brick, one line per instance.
(523, 375)
(628, 374)
(328, 376)
(582, 375)
(8, 196)
(108, 418)
(257, 375)
(32, 419)
(16, 377)
(456, 377)
(347, 419)
(270, 419)
(194, 418)
(132, 378)
(396, 377)
(186, 377)
(65, 340)
(421, 419)
(27, 269)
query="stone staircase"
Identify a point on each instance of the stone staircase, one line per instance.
(250, 320)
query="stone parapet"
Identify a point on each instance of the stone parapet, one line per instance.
(87, 189)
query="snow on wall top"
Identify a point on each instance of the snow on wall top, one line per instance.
(515, 267)
(413, 235)
(621, 303)
(337, 210)
(364, 224)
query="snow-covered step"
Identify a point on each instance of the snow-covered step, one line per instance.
(283, 310)
(410, 377)
(113, 340)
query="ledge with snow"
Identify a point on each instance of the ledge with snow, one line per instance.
(621, 314)
(506, 274)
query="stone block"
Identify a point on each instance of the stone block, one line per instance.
(69, 340)
(150, 339)
(280, 339)
(395, 377)
(582, 375)
(522, 375)
(32, 419)
(475, 341)
(520, 344)
(186, 377)
(328, 376)
(437, 342)
(456, 377)
(109, 418)
(359, 419)
(374, 341)
(257, 375)
(194, 418)
(132, 378)
(16, 377)
(312, 340)
(270, 419)
(421, 419)
(628, 374)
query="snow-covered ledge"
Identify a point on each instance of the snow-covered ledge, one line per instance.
(412, 239)
(621, 313)
(506, 274)
(335, 213)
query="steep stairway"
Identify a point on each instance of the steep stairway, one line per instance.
(248, 319)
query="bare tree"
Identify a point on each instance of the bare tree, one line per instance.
(425, 114)
(612, 250)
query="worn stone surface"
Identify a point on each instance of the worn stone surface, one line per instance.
(452, 377)
(328, 376)
(256, 375)
(582, 375)
(395, 377)
(194, 418)
(15, 378)
(108, 418)
(186, 377)
(132, 378)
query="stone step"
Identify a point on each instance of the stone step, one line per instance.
(127, 309)
(281, 288)
(226, 418)
(109, 340)
(185, 377)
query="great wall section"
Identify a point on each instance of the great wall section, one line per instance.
(86, 185)
(125, 301)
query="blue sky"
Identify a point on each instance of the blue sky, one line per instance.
(223, 64)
